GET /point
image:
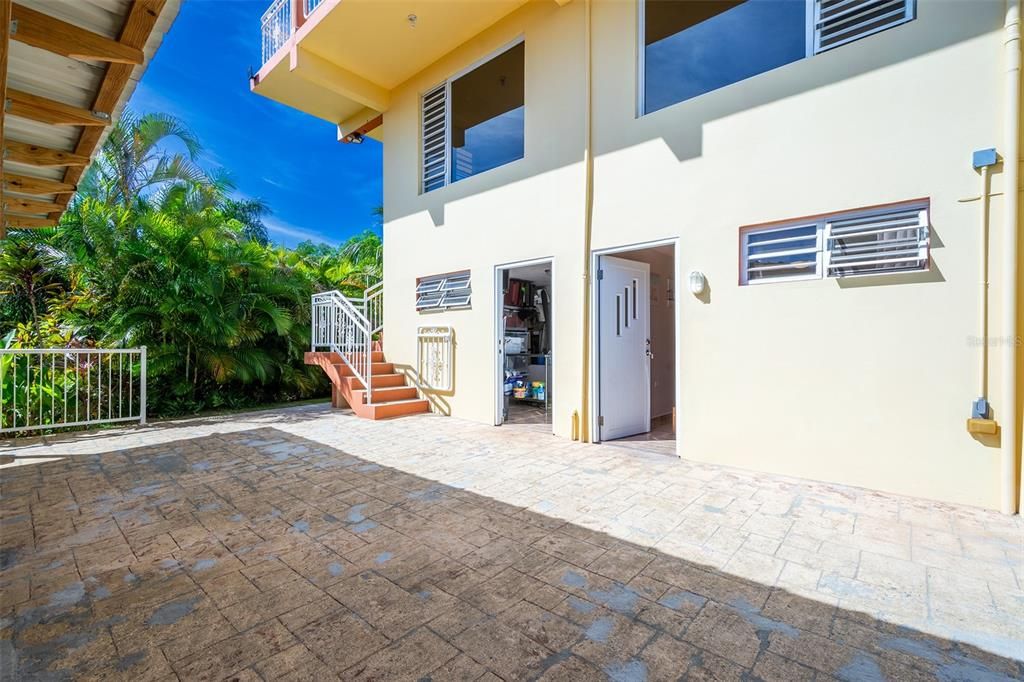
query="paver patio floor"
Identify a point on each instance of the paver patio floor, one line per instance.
(307, 544)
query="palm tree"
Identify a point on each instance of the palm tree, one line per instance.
(155, 252)
(28, 271)
(133, 159)
(249, 213)
(362, 254)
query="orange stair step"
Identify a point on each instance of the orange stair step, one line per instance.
(386, 394)
(379, 381)
(398, 408)
(375, 368)
(392, 396)
(375, 356)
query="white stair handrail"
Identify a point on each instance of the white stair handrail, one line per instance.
(340, 325)
(373, 306)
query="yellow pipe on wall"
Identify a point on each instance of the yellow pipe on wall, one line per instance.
(588, 221)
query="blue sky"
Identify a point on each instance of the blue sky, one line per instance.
(718, 52)
(317, 188)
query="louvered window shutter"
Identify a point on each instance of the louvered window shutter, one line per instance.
(881, 242)
(444, 291)
(782, 253)
(457, 291)
(837, 22)
(435, 138)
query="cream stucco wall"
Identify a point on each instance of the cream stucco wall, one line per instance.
(525, 210)
(867, 381)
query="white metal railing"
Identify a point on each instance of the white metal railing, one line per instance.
(339, 325)
(373, 306)
(276, 27)
(434, 357)
(52, 388)
(278, 23)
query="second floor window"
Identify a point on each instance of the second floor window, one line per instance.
(475, 121)
(691, 47)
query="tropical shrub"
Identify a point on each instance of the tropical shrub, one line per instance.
(153, 251)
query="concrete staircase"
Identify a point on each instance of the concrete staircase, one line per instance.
(392, 395)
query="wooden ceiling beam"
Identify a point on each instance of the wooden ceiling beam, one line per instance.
(26, 184)
(13, 204)
(44, 110)
(49, 33)
(29, 221)
(44, 157)
(5, 34)
(142, 17)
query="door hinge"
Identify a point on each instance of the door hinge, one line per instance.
(600, 274)
(600, 421)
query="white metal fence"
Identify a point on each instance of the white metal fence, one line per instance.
(312, 5)
(276, 27)
(277, 24)
(53, 388)
(434, 357)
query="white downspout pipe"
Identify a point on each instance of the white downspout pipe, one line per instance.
(1008, 324)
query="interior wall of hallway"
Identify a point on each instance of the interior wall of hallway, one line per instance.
(863, 381)
(529, 209)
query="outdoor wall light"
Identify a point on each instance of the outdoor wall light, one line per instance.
(698, 282)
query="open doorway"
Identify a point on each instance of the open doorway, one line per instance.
(524, 326)
(636, 365)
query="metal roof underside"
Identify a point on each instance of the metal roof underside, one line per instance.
(101, 87)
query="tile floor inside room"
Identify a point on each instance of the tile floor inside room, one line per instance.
(307, 544)
(660, 439)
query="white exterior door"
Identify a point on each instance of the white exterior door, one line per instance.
(623, 346)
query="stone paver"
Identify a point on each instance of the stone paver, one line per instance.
(307, 544)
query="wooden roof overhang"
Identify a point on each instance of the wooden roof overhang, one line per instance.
(66, 71)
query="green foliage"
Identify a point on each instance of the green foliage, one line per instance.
(67, 388)
(153, 251)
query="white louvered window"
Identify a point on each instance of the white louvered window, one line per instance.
(474, 121)
(879, 242)
(689, 48)
(440, 292)
(435, 138)
(875, 241)
(838, 22)
(782, 253)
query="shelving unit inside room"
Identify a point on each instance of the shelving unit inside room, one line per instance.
(526, 347)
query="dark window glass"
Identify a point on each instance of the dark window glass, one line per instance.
(487, 115)
(696, 46)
